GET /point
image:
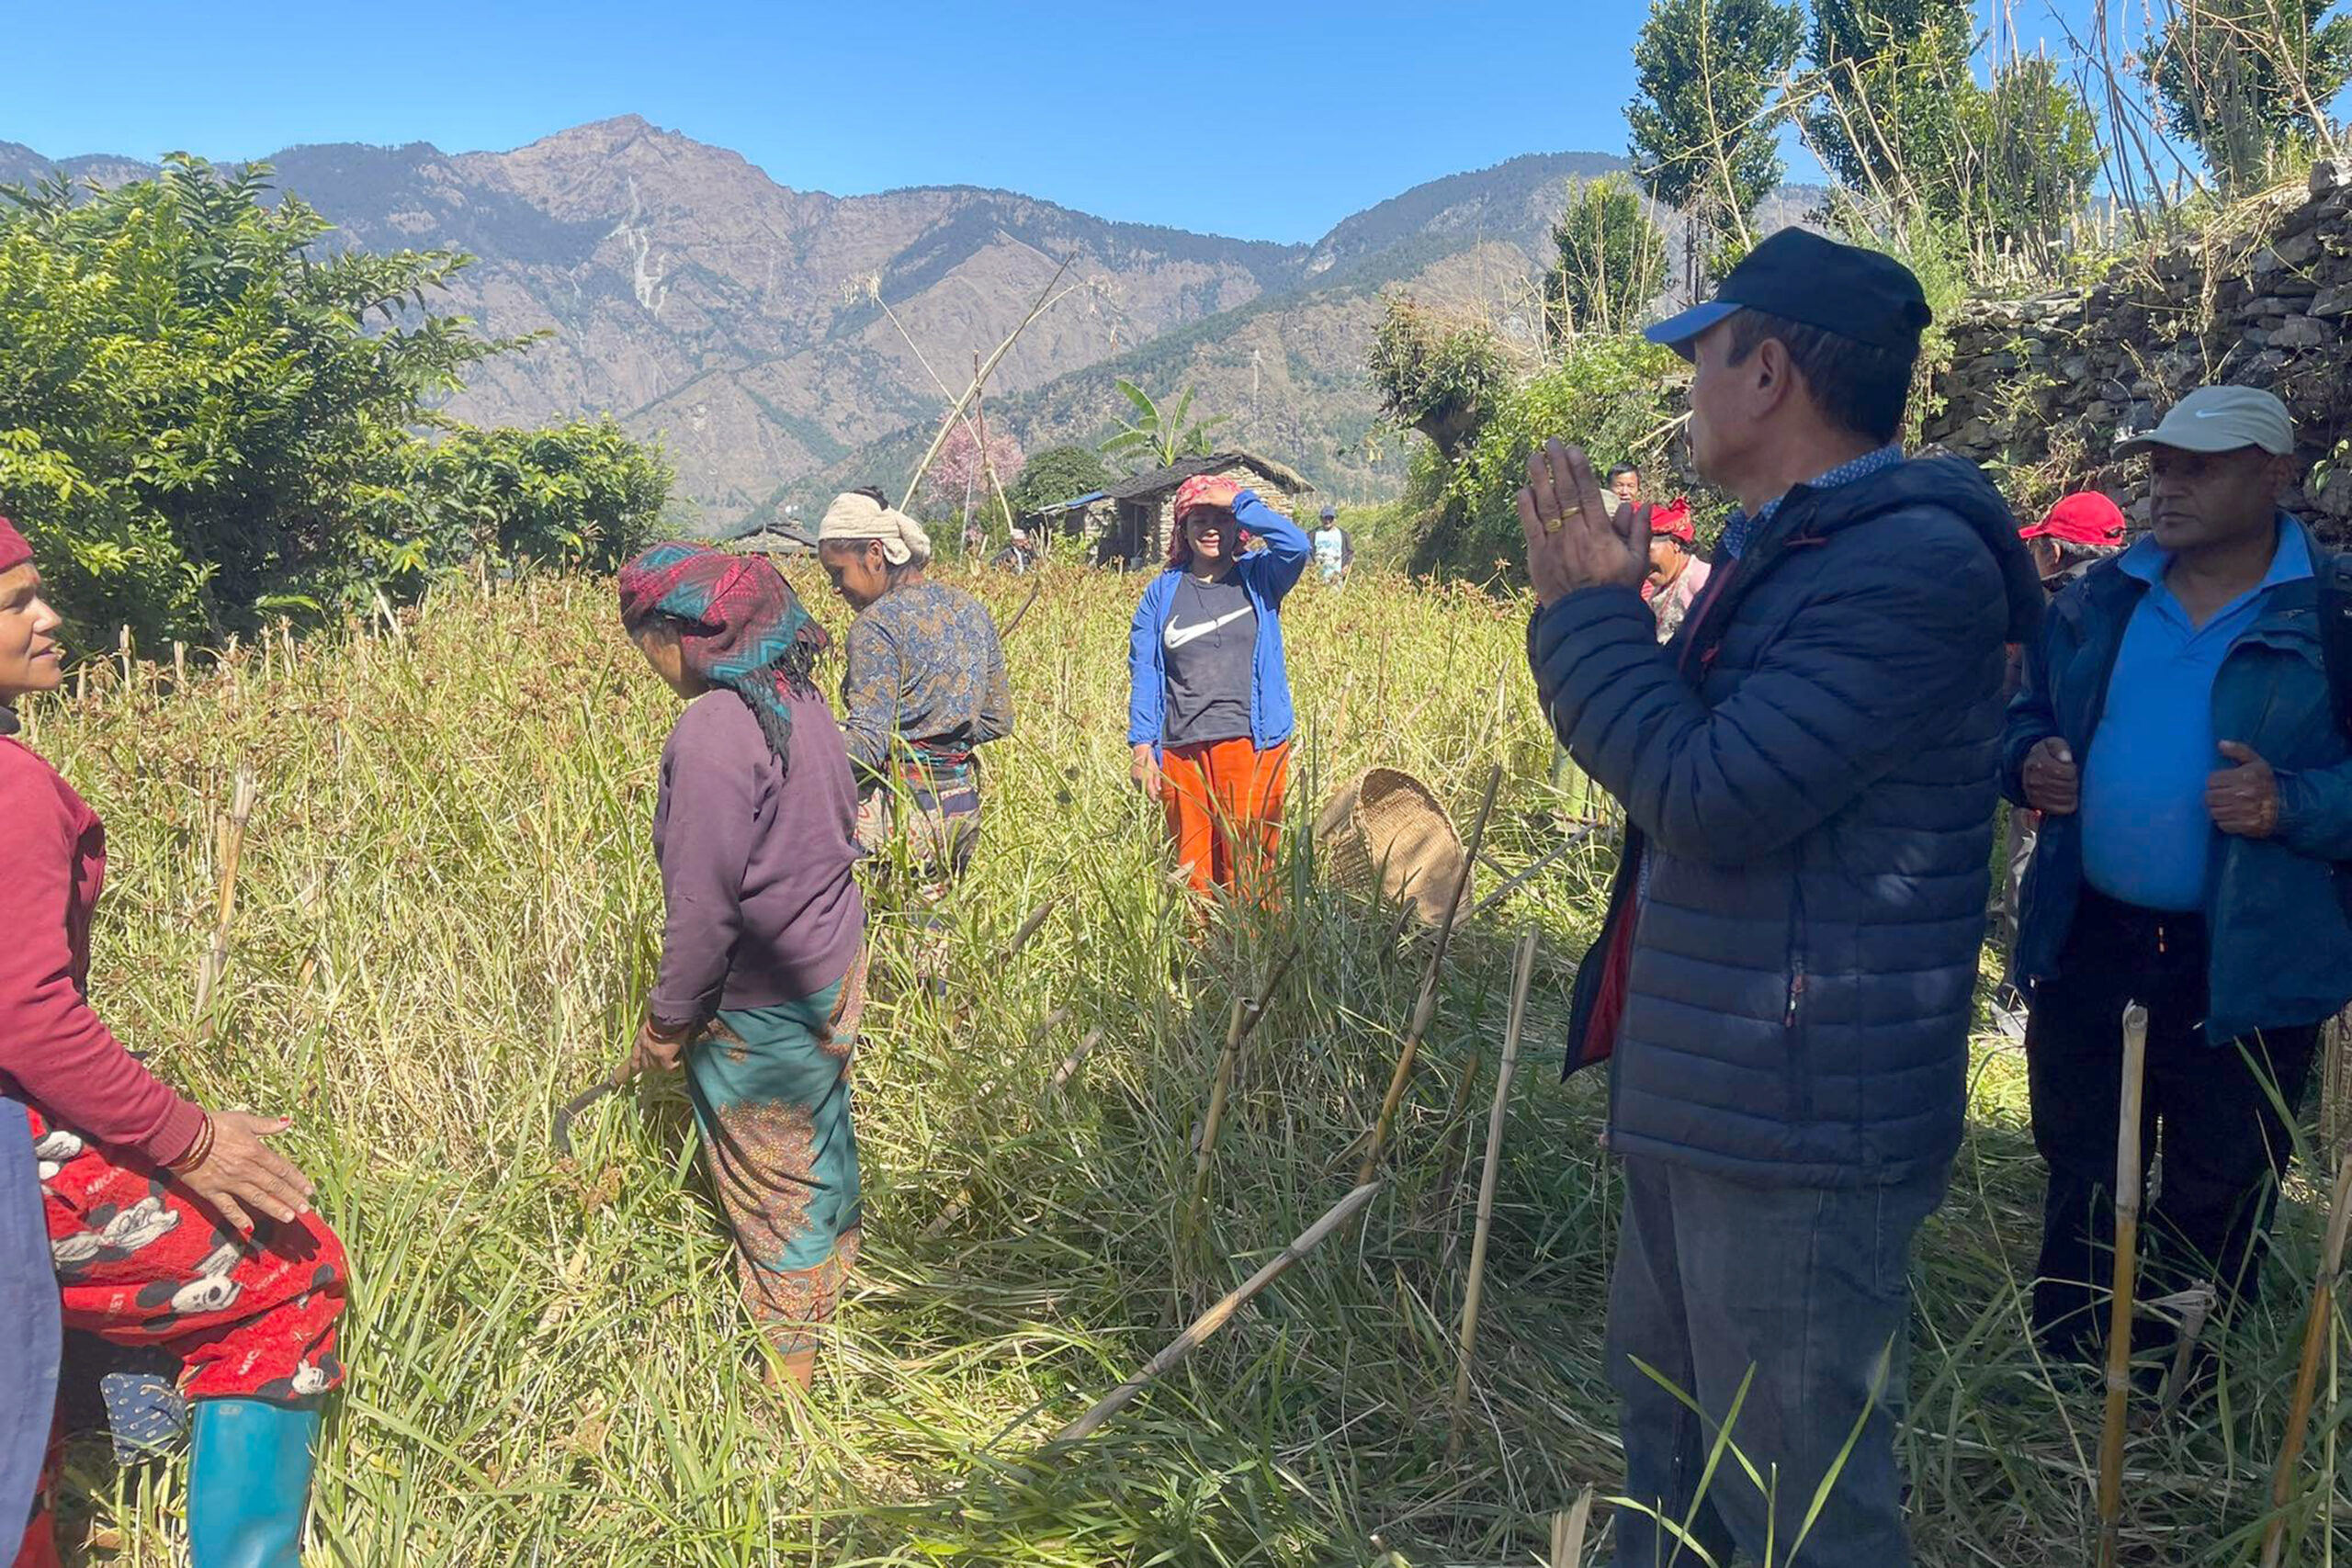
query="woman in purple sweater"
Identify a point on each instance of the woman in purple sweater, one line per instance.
(763, 952)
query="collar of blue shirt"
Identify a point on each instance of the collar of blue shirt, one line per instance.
(2290, 562)
(1741, 528)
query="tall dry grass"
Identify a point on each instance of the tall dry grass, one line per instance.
(447, 919)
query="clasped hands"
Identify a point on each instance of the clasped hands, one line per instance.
(1573, 539)
(2242, 799)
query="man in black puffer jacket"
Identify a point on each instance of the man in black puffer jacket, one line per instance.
(1786, 979)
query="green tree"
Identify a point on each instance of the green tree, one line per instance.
(1607, 394)
(1701, 128)
(1058, 473)
(584, 495)
(1156, 436)
(1436, 373)
(1890, 76)
(210, 420)
(1609, 261)
(2244, 80)
(2033, 152)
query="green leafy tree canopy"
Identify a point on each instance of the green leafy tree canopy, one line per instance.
(1609, 261)
(1701, 127)
(1436, 373)
(1056, 473)
(2243, 80)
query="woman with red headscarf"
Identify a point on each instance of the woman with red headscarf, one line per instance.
(1208, 698)
(168, 1225)
(763, 948)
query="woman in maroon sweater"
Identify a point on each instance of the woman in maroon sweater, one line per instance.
(763, 951)
(169, 1225)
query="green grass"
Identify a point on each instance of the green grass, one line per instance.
(448, 918)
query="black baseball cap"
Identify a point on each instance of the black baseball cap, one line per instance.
(1802, 276)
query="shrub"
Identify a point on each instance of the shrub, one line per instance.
(1058, 473)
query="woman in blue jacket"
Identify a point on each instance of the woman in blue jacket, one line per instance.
(1208, 703)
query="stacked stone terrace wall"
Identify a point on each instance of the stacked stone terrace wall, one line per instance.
(2038, 389)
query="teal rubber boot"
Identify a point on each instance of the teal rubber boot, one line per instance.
(249, 1482)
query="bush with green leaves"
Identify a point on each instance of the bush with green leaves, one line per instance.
(1609, 395)
(1058, 473)
(1437, 374)
(2244, 81)
(211, 419)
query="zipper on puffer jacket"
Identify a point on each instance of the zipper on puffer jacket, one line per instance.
(1800, 1088)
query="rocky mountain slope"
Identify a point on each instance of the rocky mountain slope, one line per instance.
(776, 339)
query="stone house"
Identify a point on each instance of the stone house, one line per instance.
(1132, 521)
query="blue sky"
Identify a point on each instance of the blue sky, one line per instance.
(1271, 120)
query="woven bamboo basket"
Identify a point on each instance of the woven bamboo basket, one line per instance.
(1384, 833)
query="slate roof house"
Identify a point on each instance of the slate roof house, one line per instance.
(1130, 522)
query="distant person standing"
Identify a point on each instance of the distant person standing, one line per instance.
(2079, 532)
(1334, 551)
(2176, 733)
(1677, 574)
(1625, 484)
(1209, 705)
(1786, 980)
(1019, 554)
(926, 689)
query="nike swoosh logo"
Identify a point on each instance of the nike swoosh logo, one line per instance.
(2212, 413)
(1179, 636)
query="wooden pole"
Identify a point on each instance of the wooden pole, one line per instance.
(1425, 1009)
(2126, 1247)
(1522, 972)
(1216, 1317)
(2315, 1333)
(232, 850)
(1247, 1011)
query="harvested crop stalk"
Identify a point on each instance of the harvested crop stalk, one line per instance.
(1014, 624)
(1077, 1058)
(1583, 832)
(1522, 972)
(2126, 1247)
(232, 850)
(1216, 1317)
(1567, 1532)
(2190, 1308)
(1247, 1011)
(1032, 925)
(2315, 1334)
(1425, 1009)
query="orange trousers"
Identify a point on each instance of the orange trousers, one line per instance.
(1224, 801)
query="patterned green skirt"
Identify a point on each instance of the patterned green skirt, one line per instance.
(771, 1091)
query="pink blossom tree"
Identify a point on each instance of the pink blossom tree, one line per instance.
(961, 470)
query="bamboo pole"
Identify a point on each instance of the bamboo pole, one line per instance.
(2315, 1336)
(1425, 1009)
(232, 850)
(1247, 1011)
(1522, 972)
(1216, 1317)
(1567, 1532)
(2126, 1247)
(1583, 831)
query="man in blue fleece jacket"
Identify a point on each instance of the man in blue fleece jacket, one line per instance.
(1809, 769)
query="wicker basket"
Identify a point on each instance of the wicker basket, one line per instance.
(1384, 833)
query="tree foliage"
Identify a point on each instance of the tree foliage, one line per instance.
(586, 495)
(1609, 261)
(972, 462)
(208, 419)
(1437, 374)
(1701, 127)
(2033, 151)
(2243, 80)
(1056, 473)
(1890, 71)
(1608, 394)
(1153, 436)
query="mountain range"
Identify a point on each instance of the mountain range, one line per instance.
(782, 344)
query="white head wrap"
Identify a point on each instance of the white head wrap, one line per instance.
(855, 518)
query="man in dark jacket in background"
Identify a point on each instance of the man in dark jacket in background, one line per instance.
(2175, 731)
(1809, 772)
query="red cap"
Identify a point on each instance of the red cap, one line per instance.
(1673, 520)
(14, 551)
(2085, 517)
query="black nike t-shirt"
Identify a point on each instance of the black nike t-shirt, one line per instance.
(1210, 643)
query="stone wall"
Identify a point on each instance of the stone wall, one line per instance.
(2039, 390)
